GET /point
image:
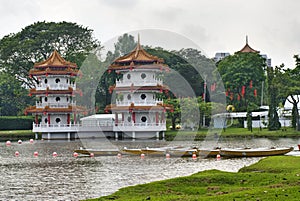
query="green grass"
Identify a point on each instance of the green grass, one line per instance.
(272, 178)
(232, 132)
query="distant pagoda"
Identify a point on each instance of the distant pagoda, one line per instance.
(55, 89)
(139, 113)
(247, 48)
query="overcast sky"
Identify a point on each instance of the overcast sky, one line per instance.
(272, 26)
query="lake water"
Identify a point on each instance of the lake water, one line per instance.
(67, 178)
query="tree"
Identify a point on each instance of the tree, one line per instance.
(242, 75)
(124, 45)
(19, 52)
(288, 83)
(274, 123)
(13, 97)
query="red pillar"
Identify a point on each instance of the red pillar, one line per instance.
(49, 119)
(74, 118)
(122, 117)
(36, 119)
(156, 118)
(68, 119)
(162, 117)
(133, 117)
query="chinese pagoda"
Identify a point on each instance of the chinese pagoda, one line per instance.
(139, 110)
(55, 88)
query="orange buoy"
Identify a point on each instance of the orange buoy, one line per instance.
(119, 155)
(142, 156)
(75, 154)
(54, 154)
(17, 154)
(168, 156)
(36, 154)
(8, 143)
(31, 141)
(218, 157)
(92, 155)
(194, 156)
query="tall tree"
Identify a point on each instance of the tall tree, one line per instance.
(242, 75)
(19, 51)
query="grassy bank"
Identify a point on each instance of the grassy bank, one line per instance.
(272, 178)
(16, 135)
(232, 132)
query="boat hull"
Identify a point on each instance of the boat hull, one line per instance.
(254, 152)
(97, 152)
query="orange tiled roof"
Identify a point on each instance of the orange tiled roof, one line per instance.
(55, 60)
(70, 109)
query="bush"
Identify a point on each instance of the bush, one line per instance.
(16, 122)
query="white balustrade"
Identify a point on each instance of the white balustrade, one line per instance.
(128, 83)
(55, 127)
(55, 86)
(139, 103)
(55, 105)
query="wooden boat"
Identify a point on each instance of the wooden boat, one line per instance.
(96, 152)
(259, 152)
(154, 151)
(206, 153)
(132, 151)
(182, 152)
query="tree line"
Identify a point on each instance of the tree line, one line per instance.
(241, 78)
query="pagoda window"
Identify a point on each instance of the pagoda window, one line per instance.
(46, 81)
(46, 99)
(67, 80)
(129, 118)
(143, 76)
(57, 80)
(128, 76)
(143, 96)
(57, 99)
(67, 99)
(144, 119)
(128, 96)
(46, 120)
(57, 120)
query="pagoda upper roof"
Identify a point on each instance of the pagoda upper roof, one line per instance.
(137, 56)
(247, 48)
(55, 60)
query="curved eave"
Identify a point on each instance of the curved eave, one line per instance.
(158, 67)
(70, 109)
(67, 72)
(247, 49)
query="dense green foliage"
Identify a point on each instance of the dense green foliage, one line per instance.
(273, 178)
(242, 75)
(19, 51)
(16, 123)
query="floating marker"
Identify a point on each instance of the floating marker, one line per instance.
(75, 154)
(54, 154)
(119, 155)
(92, 155)
(31, 141)
(194, 156)
(17, 154)
(19, 141)
(218, 157)
(142, 156)
(168, 156)
(8, 143)
(36, 154)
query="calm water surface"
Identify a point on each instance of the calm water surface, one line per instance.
(67, 178)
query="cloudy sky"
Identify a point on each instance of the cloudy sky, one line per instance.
(273, 26)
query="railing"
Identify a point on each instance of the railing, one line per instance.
(55, 127)
(55, 105)
(55, 86)
(145, 124)
(154, 82)
(139, 103)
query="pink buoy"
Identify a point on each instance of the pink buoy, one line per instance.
(31, 141)
(75, 154)
(17, 154)
(19, 141)
(92, 155)
(54, 154)
(218, 157)
(194, 156)
(36, 154)
(142, 156)
(168, 156)
(119, 155)
(8, 143)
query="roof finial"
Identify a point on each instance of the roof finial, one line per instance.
(246, 39)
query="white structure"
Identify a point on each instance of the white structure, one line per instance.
(220, 55)
(142, 112)
(55, 91)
